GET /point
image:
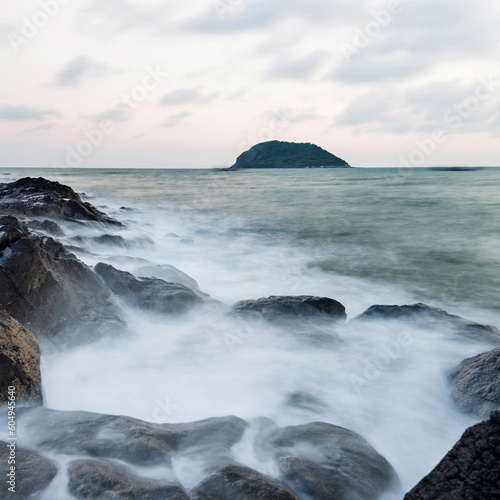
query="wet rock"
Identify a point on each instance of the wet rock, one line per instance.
(48, 226)
(305, 306)
(431, 317)
(101, 480)
(305, 401)
(471, 470)
(234, 482)
(19, 363)
(476, 384)
(168, 273)
(111, 240)
(33, 472)
(42, 198)
(149, 293)
(11, 230)
(324, 461)
(49, 290)
(124, 438)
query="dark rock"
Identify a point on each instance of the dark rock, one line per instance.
(42, 198)
(149, 293)
(112, 240)
(100, 480)
(11, 230)
(470, 471)
(476, 384)
(48, 290)
(168, 273)
(233, 482)
(324, 461)
(306, 306)
(279, 154)
(33, 472)
(48, 226)
(305, 401)
(19, 363)
(431, 317)
(124, 438)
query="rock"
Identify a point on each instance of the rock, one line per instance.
(19, 363)
(305, 401)
(279, 154)
(168, 273)
(11, 230)
(124, 438)
(431, 317)
(304, 306)
(470, 471)
(234, 482)
(149, 293)
(48, 226)
(476, 384)
(43, 198)
(48, 290)
(33, 472)
(111, 240)
(324, 461)
(101, 480)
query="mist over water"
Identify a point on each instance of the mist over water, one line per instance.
(362, 237)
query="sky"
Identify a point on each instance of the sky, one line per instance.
(169, 84)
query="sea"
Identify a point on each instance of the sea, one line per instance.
(362, 236)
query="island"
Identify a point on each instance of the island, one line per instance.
(280, 154)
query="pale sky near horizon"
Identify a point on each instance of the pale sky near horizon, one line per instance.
(155, 83)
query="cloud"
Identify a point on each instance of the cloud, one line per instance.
(300, 68)
(435, 105)
(185, 96)
(422, 36)
(35, 130)
(78, 69)
(230, 16)
(118, 114)
(175, 119)
(8, 112)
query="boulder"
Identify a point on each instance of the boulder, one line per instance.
(149, 293)
(48, 226)
(304, 400)
(470, 471)
(303, 306)
(11, 230)
(43, 198)
(111, 240)
(168, 273)
(19, 363)
(49, 290)
(234, 482)
(102, 480)
(426, 316)
(124, 438)
(327, 462)
(33, 472)
(476, 384)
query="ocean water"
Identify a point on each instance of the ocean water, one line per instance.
(361, 236)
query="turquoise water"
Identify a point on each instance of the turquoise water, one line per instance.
(434, 233)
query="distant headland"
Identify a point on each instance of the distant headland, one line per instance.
(279, 154)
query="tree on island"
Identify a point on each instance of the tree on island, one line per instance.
(280, 154)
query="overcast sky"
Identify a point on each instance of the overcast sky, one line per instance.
(155, 83)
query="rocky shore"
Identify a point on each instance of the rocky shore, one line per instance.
(50, 299)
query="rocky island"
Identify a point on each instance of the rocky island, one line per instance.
(279, 154)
